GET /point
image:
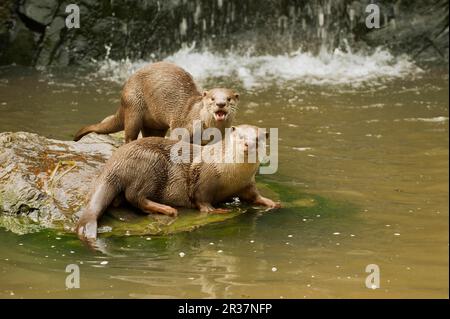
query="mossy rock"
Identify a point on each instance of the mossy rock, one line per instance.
(125, 222)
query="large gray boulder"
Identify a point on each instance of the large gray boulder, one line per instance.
(46, 180)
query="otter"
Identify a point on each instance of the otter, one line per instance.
(146, 173)
(162, 96)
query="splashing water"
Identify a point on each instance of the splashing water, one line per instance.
(335, 68)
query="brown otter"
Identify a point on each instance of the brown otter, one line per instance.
(161, 96)
(144, 170)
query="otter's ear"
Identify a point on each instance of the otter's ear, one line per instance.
(205, 93)
(236, 96)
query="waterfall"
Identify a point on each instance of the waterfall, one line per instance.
(138, 29)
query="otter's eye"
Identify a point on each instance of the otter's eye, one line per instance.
(229, 99)
(212, 99)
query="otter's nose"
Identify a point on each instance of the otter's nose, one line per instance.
(221, 104)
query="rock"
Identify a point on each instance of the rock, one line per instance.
(19, 45)
(46, 180)
(6, 9)
(40, 11)
(51, 41)
(44, 183)
(423, 35)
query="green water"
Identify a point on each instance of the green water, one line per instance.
(372, 161)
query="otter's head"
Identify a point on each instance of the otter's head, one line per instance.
(246, 139)
(221, 105)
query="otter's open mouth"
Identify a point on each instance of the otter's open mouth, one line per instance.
(220, 115)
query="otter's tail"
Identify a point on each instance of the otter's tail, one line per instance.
(102, 196)
(111, 124)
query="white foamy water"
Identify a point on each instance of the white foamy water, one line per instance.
(437, 119)
(261, 70)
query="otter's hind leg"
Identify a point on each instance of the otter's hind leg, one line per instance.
(133, 125)
(148, 206)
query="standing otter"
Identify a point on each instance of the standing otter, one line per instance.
(144, 170)
(161, 96)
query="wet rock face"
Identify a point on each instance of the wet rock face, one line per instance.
(47, 180)
(40, 11)
(33, 32)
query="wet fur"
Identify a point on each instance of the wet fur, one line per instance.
(144, 172)
(159, 97)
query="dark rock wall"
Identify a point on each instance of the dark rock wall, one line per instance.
(33, 32)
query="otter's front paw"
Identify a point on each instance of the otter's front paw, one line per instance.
(87, 230)
(220, 211)
(268, 203)
(208, 208)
